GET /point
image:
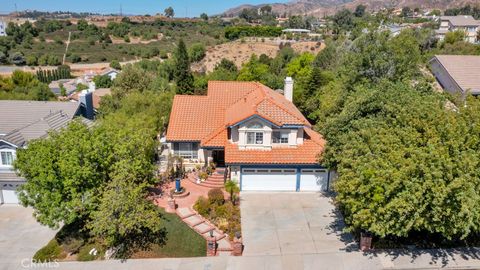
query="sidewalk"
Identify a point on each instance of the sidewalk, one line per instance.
(423, 259)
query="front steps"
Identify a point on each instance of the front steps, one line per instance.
(203, 227)
(216, 180)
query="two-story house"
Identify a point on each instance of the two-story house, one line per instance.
(464, 23)
(258, 133)
(23, 121)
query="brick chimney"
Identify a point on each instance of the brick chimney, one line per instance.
(288, 89)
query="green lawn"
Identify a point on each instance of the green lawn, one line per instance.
(182, 241)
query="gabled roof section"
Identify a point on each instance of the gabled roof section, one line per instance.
(306, 153)
(461, 20)
(267, 104)
(463, 69)
(205, 118)
(16, 114)
(34, 119)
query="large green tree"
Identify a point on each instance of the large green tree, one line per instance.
(182, 74)
(64, 174)
(405, 163)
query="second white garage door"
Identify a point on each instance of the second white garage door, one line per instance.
(9, 197)
(269, 180)
(313, 180)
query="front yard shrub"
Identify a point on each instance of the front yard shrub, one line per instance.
(215, 196)
(49, 252)
(202, 206)
(224, 214)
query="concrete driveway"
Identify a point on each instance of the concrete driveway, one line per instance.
(292, 223)
(20, 236)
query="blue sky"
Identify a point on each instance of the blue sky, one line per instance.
(181, 7)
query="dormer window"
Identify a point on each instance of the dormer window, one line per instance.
(254, 137)
(280, 137)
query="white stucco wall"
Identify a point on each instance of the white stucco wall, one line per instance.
(239, 135)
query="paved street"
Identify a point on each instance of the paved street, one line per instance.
(292, 223)
(20, 236)
(312, 221)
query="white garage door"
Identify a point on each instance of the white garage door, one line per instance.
(313, 180)
(9, 197)
(269, 179)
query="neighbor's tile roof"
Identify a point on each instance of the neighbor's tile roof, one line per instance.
(96, 96)
(461, 20)
(10, 177)
(16, 114)
(307, 153)
(34, 119)
(464, 69)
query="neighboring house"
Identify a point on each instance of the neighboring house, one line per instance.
(96, 96)
(464, 23)
(70, 86)
(110, 72)
(457, 74)
(257, 133)
(3, 28)
(23, 121)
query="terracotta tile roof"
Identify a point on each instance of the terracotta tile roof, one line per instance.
(307, 153)
(193, 118)
(268, 104)
(216, 139)
(206, 118)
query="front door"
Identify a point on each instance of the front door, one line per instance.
(219, 157)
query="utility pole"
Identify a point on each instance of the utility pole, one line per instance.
(16, 11)
(121, 10)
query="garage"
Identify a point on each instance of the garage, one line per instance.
(9, 197)
(7, 192)
(269, 180)
(314, 180)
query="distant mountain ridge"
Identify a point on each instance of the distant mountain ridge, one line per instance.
(325, 7)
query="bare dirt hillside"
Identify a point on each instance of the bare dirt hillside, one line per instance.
(321, 8)
(240, 52)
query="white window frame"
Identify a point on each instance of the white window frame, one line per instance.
(256, 141)
(190, 153)
(283, 137)
(1, 159)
